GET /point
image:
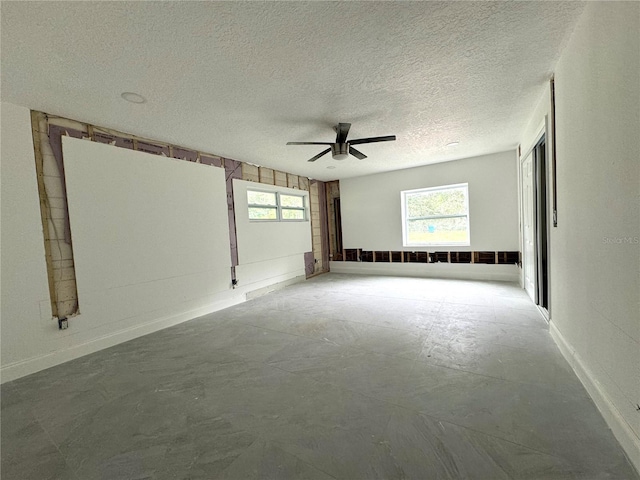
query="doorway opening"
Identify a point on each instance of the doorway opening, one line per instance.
(536, 225)
(541, 202)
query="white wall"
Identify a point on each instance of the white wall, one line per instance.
(25, 315)
(595, 250)
(150, 241)
(371, 208)
(372, 216)
(268, 252)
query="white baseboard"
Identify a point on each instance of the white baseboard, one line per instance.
(620, 428)
(463, 271)
(31, 365)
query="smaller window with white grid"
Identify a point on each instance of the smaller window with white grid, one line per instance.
(275, 206)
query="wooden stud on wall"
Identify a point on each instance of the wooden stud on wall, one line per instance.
(485, 257)
(51, 189)
(366, 256)
(250, 172)
(461, 257)
(61, 261)
(44, 210)
(292, 180)
(266, 175)
(280, 178)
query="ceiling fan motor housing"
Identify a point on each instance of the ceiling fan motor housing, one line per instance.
(340, 151)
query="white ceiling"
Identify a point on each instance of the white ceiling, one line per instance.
(240, 79)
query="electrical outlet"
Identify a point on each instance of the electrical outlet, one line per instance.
(63, 323)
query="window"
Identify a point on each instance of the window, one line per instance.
(276, 206)
(262, 205)
(436, 216)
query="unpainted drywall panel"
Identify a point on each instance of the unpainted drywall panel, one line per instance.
(371, 205)
(148, 231)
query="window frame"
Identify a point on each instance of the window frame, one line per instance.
(278, 207)
(282, 208)
(262, 206)
(405, 220)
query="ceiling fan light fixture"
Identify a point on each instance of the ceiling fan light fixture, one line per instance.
(340, 151)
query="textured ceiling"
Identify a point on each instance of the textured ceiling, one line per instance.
(240, 79)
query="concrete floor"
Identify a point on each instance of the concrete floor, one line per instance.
(349, 377)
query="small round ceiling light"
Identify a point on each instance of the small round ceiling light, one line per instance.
(453, 144)
(133, 97)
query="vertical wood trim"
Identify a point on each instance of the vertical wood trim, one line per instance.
(324, 225)
(44, 209)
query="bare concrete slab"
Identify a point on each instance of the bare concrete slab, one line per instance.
(348, 377)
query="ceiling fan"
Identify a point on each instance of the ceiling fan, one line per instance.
(341, 149)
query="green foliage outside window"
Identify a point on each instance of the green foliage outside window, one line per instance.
(274, 206)
(437, 216)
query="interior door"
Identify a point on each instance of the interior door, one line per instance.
(528, 233)
(541, 223)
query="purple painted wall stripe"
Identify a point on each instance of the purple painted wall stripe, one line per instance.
(207, 160)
